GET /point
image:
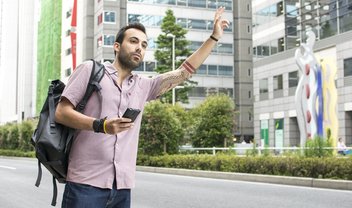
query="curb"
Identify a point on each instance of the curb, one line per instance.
(284, 180)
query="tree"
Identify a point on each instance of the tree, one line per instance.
(163, 54)
(161, 130)
(187, 121)
(214, 128)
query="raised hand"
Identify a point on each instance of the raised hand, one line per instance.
(219, 23)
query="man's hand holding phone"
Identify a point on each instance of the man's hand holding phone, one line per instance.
(117, 125)
(131, 113)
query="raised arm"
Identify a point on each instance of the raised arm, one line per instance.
(172, 78)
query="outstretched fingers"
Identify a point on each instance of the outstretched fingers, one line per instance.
(225, 23)
(218, 14)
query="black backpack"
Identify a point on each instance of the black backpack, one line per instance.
(52, 141)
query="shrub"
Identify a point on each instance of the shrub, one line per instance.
(313, 167)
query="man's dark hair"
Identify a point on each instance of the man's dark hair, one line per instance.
(121, 34)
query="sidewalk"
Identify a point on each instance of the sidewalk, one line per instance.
(285, 180)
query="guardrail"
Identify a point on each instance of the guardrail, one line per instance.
(242, 150)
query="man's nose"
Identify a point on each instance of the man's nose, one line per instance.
(139, 47)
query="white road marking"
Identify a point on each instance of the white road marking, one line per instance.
(7, 167)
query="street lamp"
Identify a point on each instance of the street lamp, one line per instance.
(173, 63)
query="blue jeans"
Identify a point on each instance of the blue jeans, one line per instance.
(85, 196)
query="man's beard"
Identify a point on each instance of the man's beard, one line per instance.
(126, 61)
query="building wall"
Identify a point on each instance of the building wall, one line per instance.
(17, 59)
(243, 65)
(338, 47)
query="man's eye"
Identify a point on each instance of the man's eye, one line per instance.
(144, 45)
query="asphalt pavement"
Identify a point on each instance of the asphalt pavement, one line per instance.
(171, 189)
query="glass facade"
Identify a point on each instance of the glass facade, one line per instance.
(216, 70)
(324, 17)
(209, 4)
(206, 91)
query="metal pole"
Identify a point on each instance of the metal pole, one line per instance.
(173, 68)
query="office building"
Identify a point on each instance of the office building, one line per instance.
(18, 37)
(279, 28)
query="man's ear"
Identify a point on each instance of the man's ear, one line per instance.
(117, 47)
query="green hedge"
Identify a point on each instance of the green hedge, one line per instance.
(331, 167)
(16, 153)
(17, 136)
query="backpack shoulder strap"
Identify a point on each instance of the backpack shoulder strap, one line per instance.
(96, 75)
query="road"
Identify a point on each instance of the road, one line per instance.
(18, 175)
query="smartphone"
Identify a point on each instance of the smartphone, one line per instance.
(131, 113)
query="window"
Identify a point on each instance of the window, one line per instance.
(249, 94)
(149, 66)
(68, 32)
(226, 70)
(197, 3)
(212, 91)
(225, 3)
(68, 51)
(347, 67)
(69, 13)
(194, 45)
(68, 72)
(202, 69)
(181, 2)
(249, 72)
(109, 40)
(109, 17)
(140, 67)
(171, 2)
(197, 24)
(226, 91)
(263, 85)
(249, 116)
(293, 79)
(225, 48)
(182, 22)
(197, 92)
(151, 43)
(212, 70)
(100, 18)
(146, 20)
(278, 82)
(210, 25)
(212, 4)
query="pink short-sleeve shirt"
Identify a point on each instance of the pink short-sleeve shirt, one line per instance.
(98, 159)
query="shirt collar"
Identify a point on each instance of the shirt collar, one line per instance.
(111, 70)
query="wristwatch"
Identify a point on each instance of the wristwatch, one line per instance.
(98, 125)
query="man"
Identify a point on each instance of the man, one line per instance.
(341, 147)
(102, 160)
